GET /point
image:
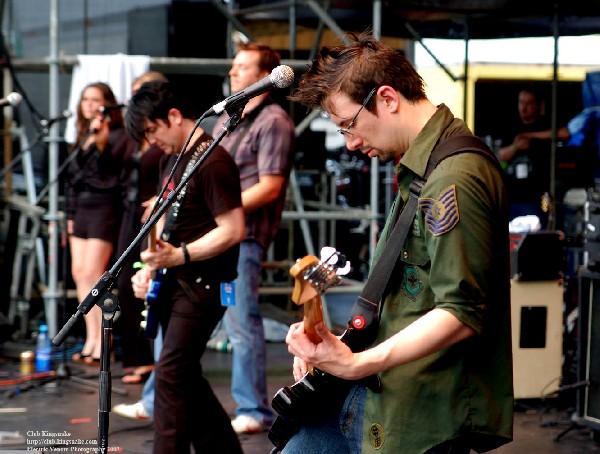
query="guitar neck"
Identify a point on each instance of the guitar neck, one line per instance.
(311, 279)
(152, 239)
(313, 314)
(305, 294)
(152, 245)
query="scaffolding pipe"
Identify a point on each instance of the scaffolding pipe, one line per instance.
(51, 294)
(374, 182)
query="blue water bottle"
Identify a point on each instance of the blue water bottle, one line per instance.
(43, 350)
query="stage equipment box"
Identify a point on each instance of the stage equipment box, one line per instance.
(537, 336)
(537, 256)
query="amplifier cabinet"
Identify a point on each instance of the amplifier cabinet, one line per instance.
(537, 337)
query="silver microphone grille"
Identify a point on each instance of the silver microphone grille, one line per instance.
(282, 76)
(14, 98)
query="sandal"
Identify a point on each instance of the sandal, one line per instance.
(139, 375)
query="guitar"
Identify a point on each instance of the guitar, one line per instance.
(150, 322)
(295, 404)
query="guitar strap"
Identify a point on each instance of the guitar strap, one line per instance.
(366, 310)
(174, 208)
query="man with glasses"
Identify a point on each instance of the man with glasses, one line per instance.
(443, 346)
(346, 131)
(198, 248)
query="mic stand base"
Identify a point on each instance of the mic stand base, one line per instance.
(109, 305)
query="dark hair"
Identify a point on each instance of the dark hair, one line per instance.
(535, 91)
(116, 116)
(355, 69)
(152, 102)
(268, 58)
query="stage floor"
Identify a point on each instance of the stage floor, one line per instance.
(66, 406)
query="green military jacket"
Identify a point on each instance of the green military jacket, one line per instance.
(456, 257)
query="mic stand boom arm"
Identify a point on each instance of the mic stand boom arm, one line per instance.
(102, 296)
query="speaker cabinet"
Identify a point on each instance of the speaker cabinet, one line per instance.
(537, 335)
(179, 29)
(588, 349)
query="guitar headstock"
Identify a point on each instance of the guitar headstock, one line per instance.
(313, 276)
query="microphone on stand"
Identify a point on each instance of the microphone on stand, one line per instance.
(12, 99)
(280, 77)
(46, 123)
(106, 111)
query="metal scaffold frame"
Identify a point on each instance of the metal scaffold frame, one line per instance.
(459, 21)
(55, 63)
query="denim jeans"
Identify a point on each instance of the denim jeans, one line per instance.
(337, 432)
(243, 324)
(147, 398)
(340, 432)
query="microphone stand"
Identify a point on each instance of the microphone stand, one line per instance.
(63, 166)
(63, 372)
(102, 296)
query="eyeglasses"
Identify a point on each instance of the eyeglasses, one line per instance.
(346, 131)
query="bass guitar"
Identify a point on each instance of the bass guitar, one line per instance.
(295, 404)
(150, 322)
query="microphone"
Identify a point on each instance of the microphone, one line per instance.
(280, 77)
(106, 110)
(46, 123)
(12, 99)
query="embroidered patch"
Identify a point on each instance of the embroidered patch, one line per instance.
(441, 214)
(412, 283)
(376, 435)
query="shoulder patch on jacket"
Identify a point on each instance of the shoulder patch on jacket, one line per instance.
(441, 214)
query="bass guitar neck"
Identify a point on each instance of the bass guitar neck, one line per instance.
(150, 322)
(295, 404)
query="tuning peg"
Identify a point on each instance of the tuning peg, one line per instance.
(343, 270)
(328, 255)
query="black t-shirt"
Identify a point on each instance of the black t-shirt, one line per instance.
(212, 190)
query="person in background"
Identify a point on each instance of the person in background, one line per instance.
(140, 178)
(199, 247)
(443, 343)
(93, 201)
(262, 146)
(526, 151)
